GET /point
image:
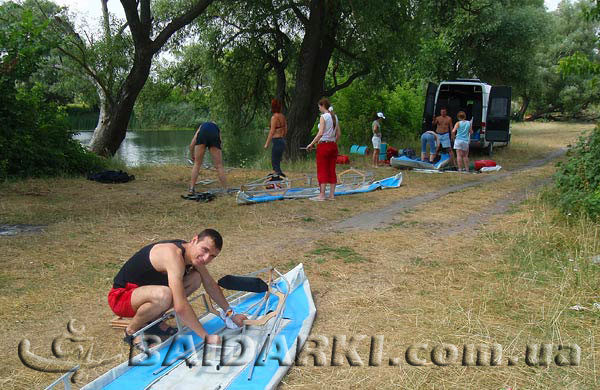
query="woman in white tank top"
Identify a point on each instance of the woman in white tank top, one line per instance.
(327, 150)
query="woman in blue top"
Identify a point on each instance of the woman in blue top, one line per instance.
(462, 131)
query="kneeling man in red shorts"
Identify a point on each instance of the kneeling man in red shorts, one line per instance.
(161, 276)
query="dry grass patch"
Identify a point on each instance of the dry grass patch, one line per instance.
(532, 141)
(462, 290)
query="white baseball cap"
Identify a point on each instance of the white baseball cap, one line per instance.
(380, 114)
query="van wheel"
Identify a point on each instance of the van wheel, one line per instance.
(490, 149)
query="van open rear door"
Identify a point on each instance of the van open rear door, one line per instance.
(498, 115)
(429, 106)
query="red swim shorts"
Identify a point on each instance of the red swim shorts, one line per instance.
(119, 300)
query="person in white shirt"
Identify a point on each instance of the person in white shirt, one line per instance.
(327, 150)
(376, 140)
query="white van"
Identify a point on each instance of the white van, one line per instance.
(487, 105)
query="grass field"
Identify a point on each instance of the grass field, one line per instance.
(490, 264)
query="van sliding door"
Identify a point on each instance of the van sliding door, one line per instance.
(498, 114)
(429, 106)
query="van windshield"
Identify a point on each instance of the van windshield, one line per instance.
(455, 98)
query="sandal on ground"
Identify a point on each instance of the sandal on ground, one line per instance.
(316, 199)
(129, 339)
(158, 331)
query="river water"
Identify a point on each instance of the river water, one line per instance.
(150, 147)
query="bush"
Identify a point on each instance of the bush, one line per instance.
(34, 140)
(40, 144)
(578, 179)
(357, 104)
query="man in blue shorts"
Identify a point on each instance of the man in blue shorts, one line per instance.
(443, 125)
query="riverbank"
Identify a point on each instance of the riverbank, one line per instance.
(489, 263)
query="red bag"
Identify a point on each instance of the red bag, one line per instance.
(484, 163)
(342, 159)
(391, 152)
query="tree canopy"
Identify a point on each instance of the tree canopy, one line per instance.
(27, 111)
(176, 63)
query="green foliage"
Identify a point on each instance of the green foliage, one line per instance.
(578, 63)
(45, 147)
(98, 59)
(81, 117)
(566, 79)
(357, 105)
(578, 179)
(241, 105)
(34, 138)
(493, 41)
(164, 105)
(586, 62)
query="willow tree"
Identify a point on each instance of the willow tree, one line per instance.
(118, 60)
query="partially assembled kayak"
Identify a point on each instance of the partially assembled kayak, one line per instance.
(350, 182)
(257, 356)
(407, 162)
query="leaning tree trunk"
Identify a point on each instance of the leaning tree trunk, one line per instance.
(112, 125)
(114, 116)
(101, 135)
(315, 52)
(543, 113)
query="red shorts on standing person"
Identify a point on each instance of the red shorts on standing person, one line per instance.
(327, 153)
(119, 300)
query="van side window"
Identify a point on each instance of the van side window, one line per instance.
(499, 107)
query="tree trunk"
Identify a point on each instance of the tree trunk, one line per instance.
(315, 53)
(114, 117)
(523, 109)
(116, 111)
(540, 114)
(281, 86)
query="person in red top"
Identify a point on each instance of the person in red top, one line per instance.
(161, 276)
(327, 150)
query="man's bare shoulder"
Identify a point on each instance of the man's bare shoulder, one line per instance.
(166, 255)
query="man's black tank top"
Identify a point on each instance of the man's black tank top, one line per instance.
(139, 270)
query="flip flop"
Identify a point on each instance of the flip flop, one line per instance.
(316, 199)
(129, 339)
(200, 196)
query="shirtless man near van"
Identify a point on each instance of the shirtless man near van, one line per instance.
(443, 125)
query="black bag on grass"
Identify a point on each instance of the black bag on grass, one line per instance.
(111, 177)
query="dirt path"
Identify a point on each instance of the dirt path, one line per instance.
(501, 206)
(380, 218)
